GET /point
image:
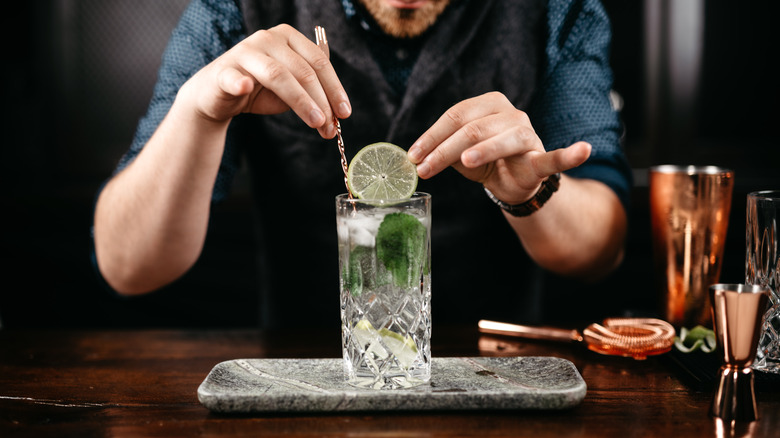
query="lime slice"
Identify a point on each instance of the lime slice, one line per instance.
(403, 348)
(397, 343)
(382, 171)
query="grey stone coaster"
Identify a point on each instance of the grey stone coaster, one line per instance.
(464, 383)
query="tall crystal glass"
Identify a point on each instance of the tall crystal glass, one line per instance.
(385, 290)
(762, 267)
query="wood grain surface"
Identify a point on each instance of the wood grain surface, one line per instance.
(144, 383)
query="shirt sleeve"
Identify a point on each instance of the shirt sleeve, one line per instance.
(572, 104)
(206, 30)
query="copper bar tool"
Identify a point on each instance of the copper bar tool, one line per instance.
(322, 42)
(629, 337)
(736, 315)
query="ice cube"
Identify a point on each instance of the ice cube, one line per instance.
(361, 237)
(362, 230)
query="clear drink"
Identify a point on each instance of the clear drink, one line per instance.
(385, 284)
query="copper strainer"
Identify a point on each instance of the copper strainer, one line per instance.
(629, 337)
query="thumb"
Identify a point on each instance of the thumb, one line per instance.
(560, 160)
(235, 83)
(576, 154)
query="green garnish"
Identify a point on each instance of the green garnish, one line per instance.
(401, 246)
(363, 272)
(697, 338)
(357, 271)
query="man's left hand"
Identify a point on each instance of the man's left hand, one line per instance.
(489, 141)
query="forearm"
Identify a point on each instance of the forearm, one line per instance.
(151, 218)
(579, 232)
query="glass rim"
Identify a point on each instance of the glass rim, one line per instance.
(416, 196)
(739, 288)
(765, 194)
(691, 169)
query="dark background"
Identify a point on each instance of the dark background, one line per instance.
(694, 76)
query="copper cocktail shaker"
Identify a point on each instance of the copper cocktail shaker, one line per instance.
(689, 209)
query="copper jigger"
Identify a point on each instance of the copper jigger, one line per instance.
(736, 315)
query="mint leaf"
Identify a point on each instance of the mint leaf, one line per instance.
(354, 278)
(362, 271)
(401, 247)
(698, 338)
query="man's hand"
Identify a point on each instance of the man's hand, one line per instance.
(270, 72)
(579, 232)
(490, 141)
(151, 219)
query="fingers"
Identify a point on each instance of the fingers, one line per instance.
(516, 139)
(540, 164)
(282, 65)
(465, 124)
(452, 121)
(479, 132)
(561, 160)
(317, 58)
(478, 143)
(276, 77)
(473, 133)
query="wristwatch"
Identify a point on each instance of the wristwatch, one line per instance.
(549, 186)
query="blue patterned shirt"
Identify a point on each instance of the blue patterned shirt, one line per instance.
(550, 59)
(570, 106)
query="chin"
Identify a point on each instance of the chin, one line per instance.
(405, 20)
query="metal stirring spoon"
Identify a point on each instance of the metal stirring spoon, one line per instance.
(322, 42)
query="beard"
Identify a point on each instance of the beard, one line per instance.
(404, 23)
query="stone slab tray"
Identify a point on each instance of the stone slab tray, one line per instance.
(462, 383)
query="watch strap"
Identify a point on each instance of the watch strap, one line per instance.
(548, 187)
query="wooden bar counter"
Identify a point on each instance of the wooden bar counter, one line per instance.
(144, 383)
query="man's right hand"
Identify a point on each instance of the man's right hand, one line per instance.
(270, 72)
(151, 219)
